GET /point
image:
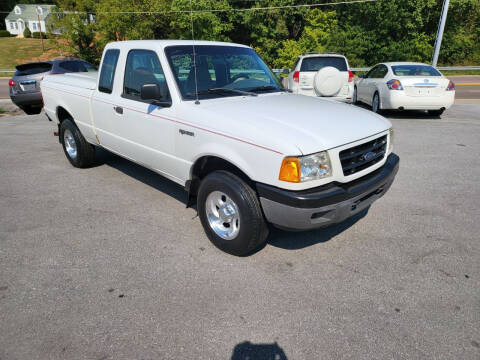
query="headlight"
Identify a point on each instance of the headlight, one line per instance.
(306, 168)
(390, 144)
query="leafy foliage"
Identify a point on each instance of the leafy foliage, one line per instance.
(366, 33)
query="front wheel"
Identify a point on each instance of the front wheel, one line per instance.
(376, 103)
(230, 214)
(436, 112)
(79, 152)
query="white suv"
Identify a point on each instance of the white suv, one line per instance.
(324, 75)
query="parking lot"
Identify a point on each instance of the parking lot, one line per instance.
(107, 263)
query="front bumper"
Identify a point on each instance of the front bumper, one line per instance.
(29, 99)
(328, 204)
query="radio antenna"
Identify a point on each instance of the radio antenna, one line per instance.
(194, 55)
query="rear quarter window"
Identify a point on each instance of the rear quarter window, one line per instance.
(76, 66)
(317, 63)
(32, 69)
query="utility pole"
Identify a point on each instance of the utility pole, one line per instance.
(441, 27)
(40, 28)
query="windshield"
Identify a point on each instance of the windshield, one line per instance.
(221, 71)
(415, 70)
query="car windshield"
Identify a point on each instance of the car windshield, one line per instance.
(415, 70)
(317, 63)
(221, 71)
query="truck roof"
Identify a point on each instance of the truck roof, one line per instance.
(164, 43)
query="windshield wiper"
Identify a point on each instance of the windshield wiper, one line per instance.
(222, 91)
(264, 88)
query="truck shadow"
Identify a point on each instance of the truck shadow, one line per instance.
(278, 238)
(142, 174)
(248, 351)
(299, 240)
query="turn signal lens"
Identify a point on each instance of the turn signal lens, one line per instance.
(296, 76)
(451, 86)
(394, 84)
(290, 170)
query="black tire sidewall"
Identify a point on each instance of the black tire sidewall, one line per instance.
(373, 101)
(80, 160)
(251, 217)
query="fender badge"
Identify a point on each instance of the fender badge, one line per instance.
(185, 132)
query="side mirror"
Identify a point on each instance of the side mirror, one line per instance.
(150, 92)
(361, 76)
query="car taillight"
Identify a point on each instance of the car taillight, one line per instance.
(350, 76)
(394, 84)
(11, 83)
(296, 76)
(451, 86)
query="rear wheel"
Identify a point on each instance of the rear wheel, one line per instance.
(31, 110)
(230, 213)
(376, 103)
(79, 152)
(436, 112)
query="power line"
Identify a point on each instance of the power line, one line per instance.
(221, 10)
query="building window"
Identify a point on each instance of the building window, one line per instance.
(18, 10)
(34, 26)
(11, 26)
(16, 26)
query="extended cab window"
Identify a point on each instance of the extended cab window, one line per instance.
(143, 67)
(107, 73)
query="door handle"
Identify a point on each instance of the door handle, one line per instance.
(118, 109)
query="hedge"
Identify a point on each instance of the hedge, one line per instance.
(4, 33)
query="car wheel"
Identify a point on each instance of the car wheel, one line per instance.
(230, 214)
(355, 96)
(31, 110)
(436, 112)
(376, 103)
(79, 152)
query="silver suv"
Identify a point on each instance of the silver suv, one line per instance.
(25, 84)
(325, 75)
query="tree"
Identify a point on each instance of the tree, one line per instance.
(27, 33)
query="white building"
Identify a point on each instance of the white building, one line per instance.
(33, 16)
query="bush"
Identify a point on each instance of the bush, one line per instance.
(4, 33)
(36, 35)
(27, 33)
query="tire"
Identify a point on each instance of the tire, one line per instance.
(247, 227)
(31, 110)
(78, 151)
(436, 112)
(376, 103)
(355, 96)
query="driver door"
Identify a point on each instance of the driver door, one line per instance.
(146, 129)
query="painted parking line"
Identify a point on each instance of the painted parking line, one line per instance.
(467, 84)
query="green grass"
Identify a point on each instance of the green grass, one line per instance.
(16, 51)
(2, 110)
(462, 72)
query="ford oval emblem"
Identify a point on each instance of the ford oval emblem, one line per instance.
(369, 156)
(426, 80)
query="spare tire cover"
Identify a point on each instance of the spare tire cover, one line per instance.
(328, 81)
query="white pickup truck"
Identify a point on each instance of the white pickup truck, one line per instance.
(213, 118)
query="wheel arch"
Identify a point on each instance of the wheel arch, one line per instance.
(207, 164)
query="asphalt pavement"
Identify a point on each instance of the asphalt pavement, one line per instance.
(462, 91)
(107, 263)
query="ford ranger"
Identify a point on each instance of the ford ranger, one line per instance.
(213, 118)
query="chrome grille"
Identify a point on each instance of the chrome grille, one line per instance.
(362, 156)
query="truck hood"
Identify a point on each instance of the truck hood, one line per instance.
(281, 120)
